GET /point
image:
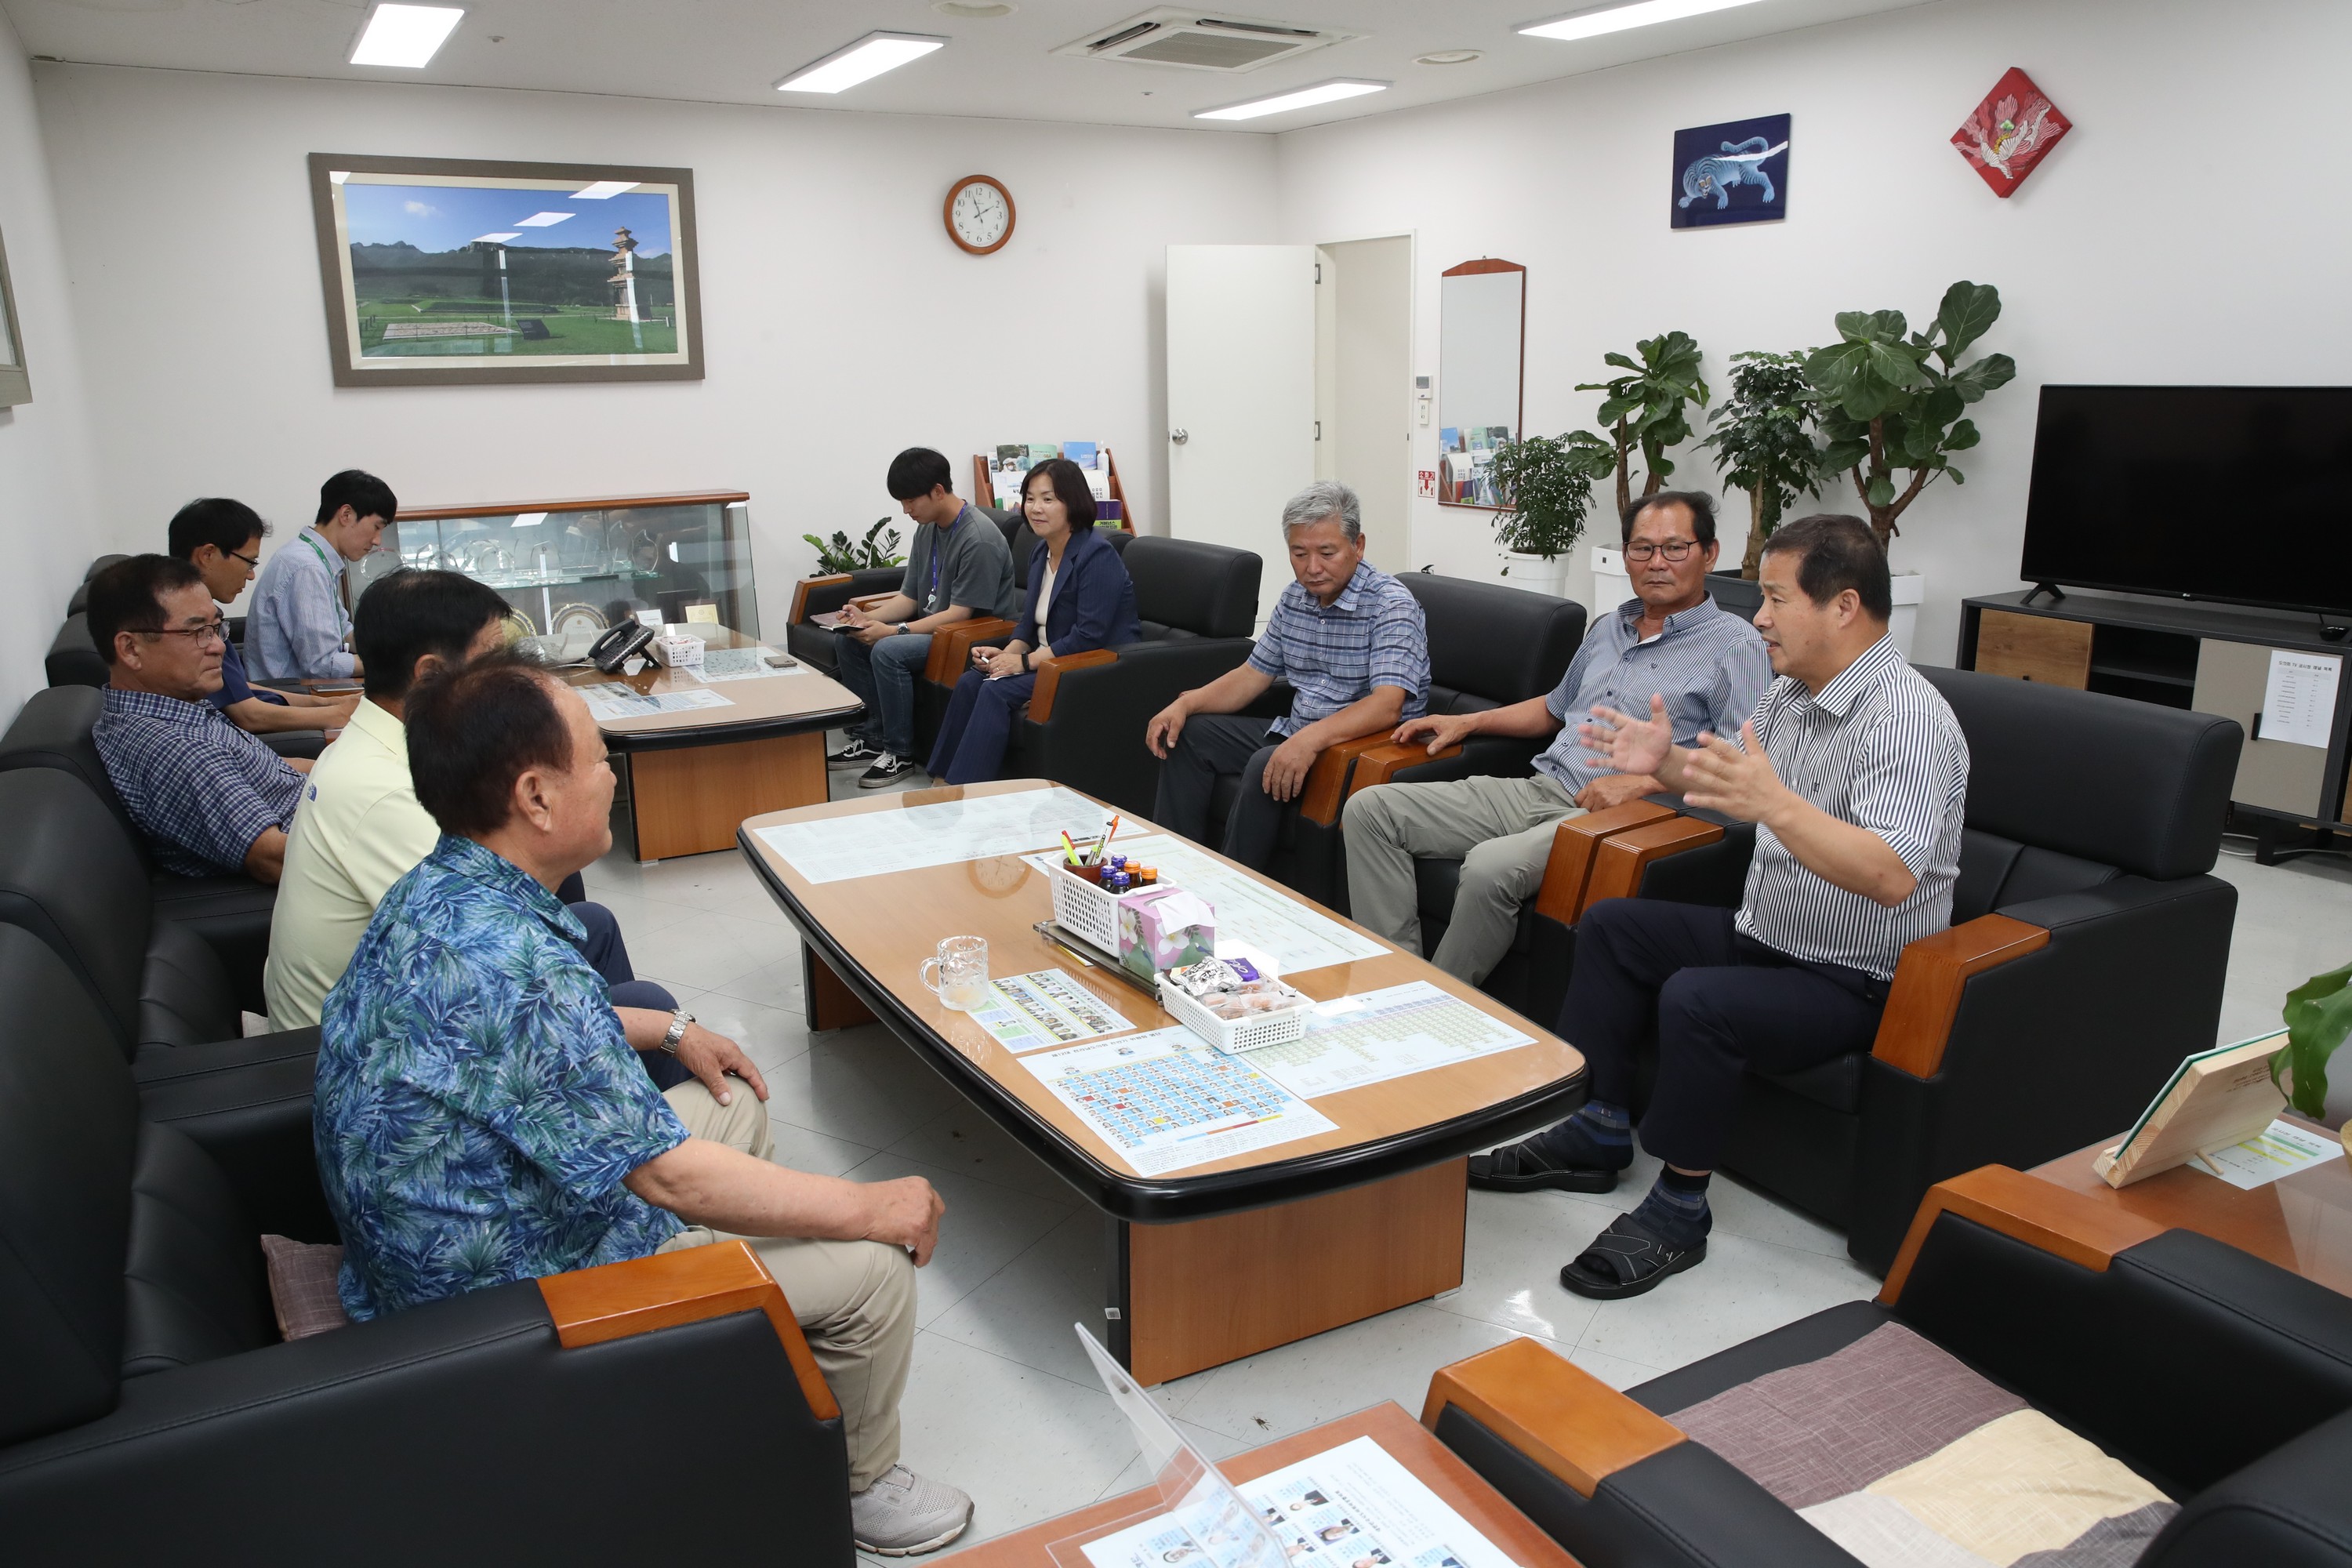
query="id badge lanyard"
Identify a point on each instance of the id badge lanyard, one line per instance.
(342, 618)
(932, 607)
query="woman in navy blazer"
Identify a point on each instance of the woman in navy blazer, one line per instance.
(1089, 602)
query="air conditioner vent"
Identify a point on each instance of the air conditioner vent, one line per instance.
(1175, 36)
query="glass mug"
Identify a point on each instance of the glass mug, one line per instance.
(962, 966)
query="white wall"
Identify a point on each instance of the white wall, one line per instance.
(841, 324)
(2181, 233)
(49, 508)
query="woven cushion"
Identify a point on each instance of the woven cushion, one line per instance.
(302, 1275)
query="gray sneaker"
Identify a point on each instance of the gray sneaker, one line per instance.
(903, 1514)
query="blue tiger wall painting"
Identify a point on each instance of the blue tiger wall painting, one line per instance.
(1737, 171)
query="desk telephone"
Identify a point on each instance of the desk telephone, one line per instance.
(612, 650)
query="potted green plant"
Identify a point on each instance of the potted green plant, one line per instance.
(1762, 435)
(840, 553)
(1545, 483)
(2318, 1014)
(1648, 408)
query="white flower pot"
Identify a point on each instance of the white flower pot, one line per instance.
(1535, 573)
(1612, 585)
(1903, 625)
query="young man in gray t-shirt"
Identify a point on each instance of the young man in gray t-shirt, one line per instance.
(958, 567)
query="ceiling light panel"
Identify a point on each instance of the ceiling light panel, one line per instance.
(1302, 97)
(404, 35)
(864, 60)
(1617, 19)
(494, 239)
(603, 189)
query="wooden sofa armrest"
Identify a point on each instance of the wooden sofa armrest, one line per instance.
(1556, 1414)
(1326, 789)
(808, 585)
(2076, 1227)
(615, 1300)
(1568, 873)
(1619, 860)
(1380, 764)
(952, 646)
(1049, 677)
(1928, 980)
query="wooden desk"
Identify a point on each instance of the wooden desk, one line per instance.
(1406, 1440)
(2303, 1222)
(1224, 1259)
(694, 775)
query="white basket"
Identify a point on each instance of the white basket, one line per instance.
(1253, 1033)
(1083, 910)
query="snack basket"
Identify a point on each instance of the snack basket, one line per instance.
(1234, 1035)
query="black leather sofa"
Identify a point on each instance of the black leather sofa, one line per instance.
(231, 913)
(73, 659)
(153, 1414)
(2221, 1379)
(2085, 957)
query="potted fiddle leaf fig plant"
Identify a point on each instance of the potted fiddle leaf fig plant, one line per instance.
(1545, 483)
(841, 553)
(1648, 408)
(1763, 435)
(2318, 1014)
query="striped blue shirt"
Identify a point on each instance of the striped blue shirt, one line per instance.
(199, 787)
(298, 626)
(1880, 748)
(1333, 654)
(1708, 664)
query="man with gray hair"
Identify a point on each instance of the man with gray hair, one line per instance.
(1351, 643)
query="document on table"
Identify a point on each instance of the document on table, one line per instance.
(1045, 1007)
(742, 664)
(1350, 1507)
(1166, 1100)
(874, 844)
(2299, 697)
(1265, 918)
(610, 700)
(1409, 1028)
(2280, 1149)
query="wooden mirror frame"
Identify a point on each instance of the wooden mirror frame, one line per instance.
(1519, 402)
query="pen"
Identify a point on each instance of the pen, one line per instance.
(1105, 845)
(1069, 850)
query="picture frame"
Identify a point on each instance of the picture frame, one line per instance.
(466, 272)
(16, 382)
(1735, 171)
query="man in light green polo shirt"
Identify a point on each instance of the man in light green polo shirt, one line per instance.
(359, 828)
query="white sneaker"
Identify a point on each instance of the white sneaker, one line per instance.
(903, 1514)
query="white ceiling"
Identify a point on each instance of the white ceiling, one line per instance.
(733, 51)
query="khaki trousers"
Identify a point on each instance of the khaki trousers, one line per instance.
(854, 1300)
(1502, 829)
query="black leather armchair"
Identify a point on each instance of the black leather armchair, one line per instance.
(811, 596)
(231, 912)
(153, 1414)
(73, 659)
(2084, 960)
(2222, 1379)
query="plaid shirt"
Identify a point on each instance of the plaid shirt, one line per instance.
(1371, 634)
(199, 787)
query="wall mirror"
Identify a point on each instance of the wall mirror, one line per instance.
(1482, 307)
(16, 386)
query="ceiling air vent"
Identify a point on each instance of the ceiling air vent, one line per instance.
(1174, 36)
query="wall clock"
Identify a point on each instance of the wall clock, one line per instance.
(979, 214)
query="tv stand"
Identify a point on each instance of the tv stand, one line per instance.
(2057, 594)
(2213, 659)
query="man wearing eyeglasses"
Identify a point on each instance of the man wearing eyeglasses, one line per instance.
(222, 539)
(1670, 640)
(210, 797)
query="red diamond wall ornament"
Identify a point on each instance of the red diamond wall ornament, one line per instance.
(2010, 131)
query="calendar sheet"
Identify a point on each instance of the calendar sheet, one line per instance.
(1166, 1100)
(1357, 1040)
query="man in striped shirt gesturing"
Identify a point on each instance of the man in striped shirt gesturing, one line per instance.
(1855, 773)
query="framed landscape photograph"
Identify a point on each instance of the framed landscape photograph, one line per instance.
(16, 386)
(441, 272)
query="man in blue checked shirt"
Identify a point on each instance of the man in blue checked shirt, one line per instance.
(1351, 643)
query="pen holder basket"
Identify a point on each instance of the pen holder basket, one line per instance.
(1234, 1035)
(1083, 909)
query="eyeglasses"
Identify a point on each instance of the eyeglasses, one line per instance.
(252, 560)
(213, 631)
(1673, 549)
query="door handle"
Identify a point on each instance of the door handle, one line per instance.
(1179, 436)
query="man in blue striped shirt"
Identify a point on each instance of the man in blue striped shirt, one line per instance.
(1855, 773)
(1671, 640)
(1351, 643)
(298, 629)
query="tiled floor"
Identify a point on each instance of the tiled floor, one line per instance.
(1002, 1401)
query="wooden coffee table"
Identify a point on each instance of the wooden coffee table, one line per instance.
(1221, 1260)
(694, 775)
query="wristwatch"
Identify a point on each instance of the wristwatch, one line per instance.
(677, 1030)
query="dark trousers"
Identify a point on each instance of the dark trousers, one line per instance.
(608, 955)
(1720, 1005)
(1212, 745)
(979, 727)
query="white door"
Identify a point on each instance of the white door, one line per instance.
(1240, 395)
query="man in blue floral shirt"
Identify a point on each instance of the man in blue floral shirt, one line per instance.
(481, 1117)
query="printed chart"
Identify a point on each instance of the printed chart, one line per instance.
(1027, 1012)
(609, 701)
(1356, 1040)
(1165, 1099)
(877, 843)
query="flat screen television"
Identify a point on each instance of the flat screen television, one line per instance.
(2240, 494)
